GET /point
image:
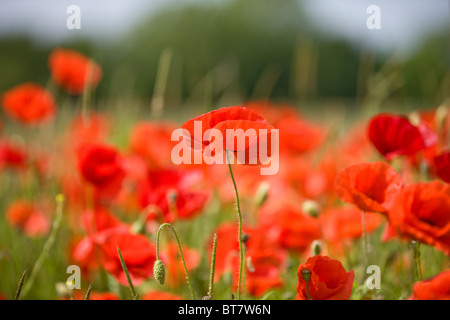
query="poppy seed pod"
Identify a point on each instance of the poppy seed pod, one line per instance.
(316, 247)
(306, 275)
(159, 271)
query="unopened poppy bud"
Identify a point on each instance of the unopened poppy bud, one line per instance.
(316, 247)
(159, 271)
(311, 208)
(172, 197)
(250, 265)
(261, 194)
(441, 114)
(306, 275)
(414, 118)
(206, 298)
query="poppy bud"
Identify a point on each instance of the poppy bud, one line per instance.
(306, 275)
(316, 247)
(159, 271)
(244, 238)
(311, 208)
(261, 194)
(250, 265)
(206, 298)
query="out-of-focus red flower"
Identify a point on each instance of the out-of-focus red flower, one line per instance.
(172, 191)
(420, 211)
(158, 295)
(26, 216)
(73, 71)
(12, 156)
(288, 226)
(442, 166)
(369, 186)
(340, 224)
(436, 288)
(157, 150)
(137, 252)
(298, 135)
(29, 103)
(94, 128)
(101, 166)
(175, 274)
(264, 260)
(394, 135)
(227, 121)
(329, 280)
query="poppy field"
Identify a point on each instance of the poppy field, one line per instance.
(95, 205)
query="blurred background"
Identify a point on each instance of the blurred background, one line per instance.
(223, 52)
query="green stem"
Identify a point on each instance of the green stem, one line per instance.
(48, 244)
(181, 253)
(307, 290)
(19, 287)
(213, 267)
(364, 238)
(417, 260)
(88, 292)
(125, 269)
(241, 250)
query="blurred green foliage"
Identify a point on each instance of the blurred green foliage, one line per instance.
(250, 49)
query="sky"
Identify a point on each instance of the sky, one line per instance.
(403, 22)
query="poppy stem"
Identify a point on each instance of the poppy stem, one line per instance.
(127, 274)
(306, 275)
(19, 287)
(47, 246)
(181, 253)
(88, 292)
(213, 267)
(364, 238)
(241, 250)
(417, 260)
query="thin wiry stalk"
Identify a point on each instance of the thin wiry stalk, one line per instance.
(19, 287)
(88, 292)
(241, 250)
(181, 253)
(134, 295)
(48, 244)
(213, 267)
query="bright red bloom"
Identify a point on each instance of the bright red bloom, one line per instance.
(175, 273)
(26, 216)
(157, 150)
(73, 71)
(137, 252)
(420, 211)
(99, 225)
(12, 156)
(442, 166)
(29, 103)
(158, 295)
(329, 280)
(288, 226)
(346, 223)
(172, 191)
(394, 135)
(101, 166)
(369, 186)
(228, 121)
(436, 288)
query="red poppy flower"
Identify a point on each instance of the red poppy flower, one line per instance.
(288, 226)
(369, 186)
(155, 151)
(137, 252)
(394, 135)
(172, 191)
(12, 156)
(24, 215)
(442, 166)
(175, 273)
(420, 211)
(346, 223)
(329, 280)
(436, 288)
(73, 71)
(233, 123)
(101, 166)
(29, 103)
(99, 225)
(158, 295)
